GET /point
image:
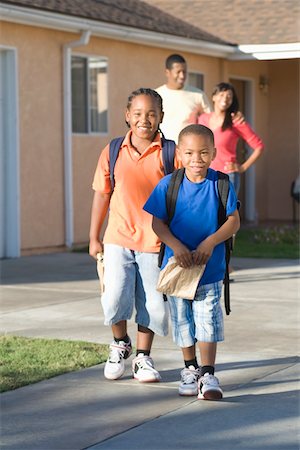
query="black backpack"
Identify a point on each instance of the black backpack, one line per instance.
(223, 190)
(168, 152)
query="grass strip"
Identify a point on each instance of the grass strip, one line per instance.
(280, 241)
(268, 242)
(25, 361)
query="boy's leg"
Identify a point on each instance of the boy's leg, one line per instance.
(183, 331)
(209, 388)
(190, 374)
(117, 302)
(151, 315)
(209, 330)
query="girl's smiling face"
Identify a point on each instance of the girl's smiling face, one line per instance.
(223, 100)
(144, 116)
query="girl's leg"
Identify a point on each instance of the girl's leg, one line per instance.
(117, 302)
(119, 329)
(144, 340)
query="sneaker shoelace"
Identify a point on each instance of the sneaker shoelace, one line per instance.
(189, 376)
(145, 362)
(209, 379)
(116, 353)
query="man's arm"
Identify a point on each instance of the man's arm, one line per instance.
(201, 106)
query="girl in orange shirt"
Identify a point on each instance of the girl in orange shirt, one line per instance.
(130, 245)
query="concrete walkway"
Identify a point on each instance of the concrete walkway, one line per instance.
(56, 296)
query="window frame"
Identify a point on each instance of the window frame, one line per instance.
(195, 72)
(89, 131)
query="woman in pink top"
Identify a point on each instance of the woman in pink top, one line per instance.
(227, 134)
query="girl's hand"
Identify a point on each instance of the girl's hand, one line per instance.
(183, 256)
(230, 167)
(203, 252)
(95, 247)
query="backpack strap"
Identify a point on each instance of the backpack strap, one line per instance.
(223, 191)
(171, 198)
(114, 148)
(168, 153)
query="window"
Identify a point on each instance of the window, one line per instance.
(89, 95)
(196, 80)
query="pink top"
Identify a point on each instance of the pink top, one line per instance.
(226, 141)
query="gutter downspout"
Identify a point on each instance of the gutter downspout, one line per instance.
(68, 160)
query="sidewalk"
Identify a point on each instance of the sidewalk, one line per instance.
(57, 296)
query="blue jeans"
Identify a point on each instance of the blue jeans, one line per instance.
(130, 280)
(235, 178)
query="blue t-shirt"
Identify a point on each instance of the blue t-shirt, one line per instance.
(195, 218)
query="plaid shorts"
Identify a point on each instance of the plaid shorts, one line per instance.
(200, 319)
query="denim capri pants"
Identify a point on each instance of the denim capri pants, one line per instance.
(200, 319)
(130, 280)
(235, 178)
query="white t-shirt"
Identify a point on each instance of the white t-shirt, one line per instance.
(180, 106)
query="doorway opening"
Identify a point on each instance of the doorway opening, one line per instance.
(9, 156)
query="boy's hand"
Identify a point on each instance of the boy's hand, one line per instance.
(95, 247)
(183, 256)
(203, 252)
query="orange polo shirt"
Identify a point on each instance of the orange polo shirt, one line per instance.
(135, 178)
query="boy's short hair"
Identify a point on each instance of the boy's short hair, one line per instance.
(173, 59)
(200, 130)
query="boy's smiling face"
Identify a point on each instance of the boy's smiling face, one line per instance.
(196, 153)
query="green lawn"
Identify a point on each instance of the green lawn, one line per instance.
(268, 242)
(25, 361)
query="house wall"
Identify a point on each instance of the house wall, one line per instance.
(251, 71)
(41, 133)
(282, 159)
(130, 66)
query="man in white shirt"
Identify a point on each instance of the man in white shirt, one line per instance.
(182, 104)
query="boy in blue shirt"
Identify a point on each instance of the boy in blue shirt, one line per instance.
(193, 237)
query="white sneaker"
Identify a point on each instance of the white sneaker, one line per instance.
(189, 381)
(143, 369)
(115, 365)
(209, 388)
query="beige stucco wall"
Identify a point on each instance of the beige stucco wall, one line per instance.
(41, 138)
(40, 60)
(282, 160)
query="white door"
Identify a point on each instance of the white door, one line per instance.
(9, 156)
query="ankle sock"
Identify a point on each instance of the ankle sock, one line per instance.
(191, 362)
(144, 352)
(207, 369)
(125, 339)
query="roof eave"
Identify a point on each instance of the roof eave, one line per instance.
(267, 52)
(34, 17)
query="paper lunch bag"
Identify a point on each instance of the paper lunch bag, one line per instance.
(179, 282)
(100, 270)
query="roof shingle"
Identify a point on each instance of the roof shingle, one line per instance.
(130, 13)
(240, 21)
